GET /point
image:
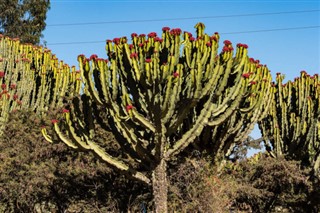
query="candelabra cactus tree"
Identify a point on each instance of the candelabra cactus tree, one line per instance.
(292, 126)
(157, 95)
(31, 77)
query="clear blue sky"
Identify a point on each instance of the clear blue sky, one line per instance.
(285, 51)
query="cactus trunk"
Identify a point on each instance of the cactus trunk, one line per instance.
(160, 187)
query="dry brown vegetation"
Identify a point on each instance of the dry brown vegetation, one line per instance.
(36, 176)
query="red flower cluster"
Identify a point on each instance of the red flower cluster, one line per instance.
(242, 45)
(253, 82)
(175, 74)
(214, 38)
(3, 86)
(133, 35)
(176, 31)
(158, 39)
(152, 35)
(164, 29)
(65, 111)
(129, 107)
(13, 86)
(246, 75)
(227, 49)
(93, 57)
(148, 60)
(134, 55)
(227, 42)
(116, 41)
(54, 121)
(15, 97)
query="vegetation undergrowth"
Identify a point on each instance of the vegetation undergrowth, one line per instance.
(36, 176)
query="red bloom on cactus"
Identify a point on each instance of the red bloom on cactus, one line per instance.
(216, 33)
(116, 41)
(129, 107)
(140, 45)
(192, 39)
(246, 75)
(93, 57)
(2, 74)
(65, 111)
(54, 121)
(253, 82)
(131, 46)
(15, 97)
(108, 40)
(213, 38)
(148, 60)
(208, 44)
(303, 72)
(133, 35)
(13, 86)
(245, 46)
(134, 55)
(175, 74)
(176, 31)
(165, 29)
(3, 86)
(142, 35)
(158, 39)
(225, 49)
(227, 42)
(152, 34)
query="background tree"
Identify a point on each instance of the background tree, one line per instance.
(24, 19)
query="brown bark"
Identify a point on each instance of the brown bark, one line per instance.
(160, 187)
